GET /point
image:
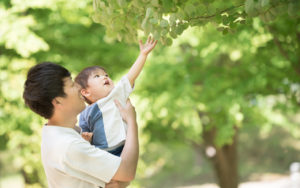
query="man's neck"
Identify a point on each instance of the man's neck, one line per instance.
(62, 121)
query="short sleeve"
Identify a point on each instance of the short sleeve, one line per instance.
(89, 163)
(83, 124)
(124, 87)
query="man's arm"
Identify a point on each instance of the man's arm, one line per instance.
(127, 169)
(136, 68)
(116, 184)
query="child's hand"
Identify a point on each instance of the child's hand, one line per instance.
(147, 48)
(87, 136)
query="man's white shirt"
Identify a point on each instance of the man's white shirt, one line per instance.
(71, 161)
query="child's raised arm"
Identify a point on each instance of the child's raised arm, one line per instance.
(136, 68)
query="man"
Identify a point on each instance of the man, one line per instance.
(69, 160)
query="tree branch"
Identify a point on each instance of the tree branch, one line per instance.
(213, 15)
(278, 44)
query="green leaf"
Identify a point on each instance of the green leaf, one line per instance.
(263, 18)
(211, 9)
(201, 9)
(155, 3)
(122, 3)
(251, 8)
(220, 28)
(153, 21)
(293, 8)
(225, 19)
(97, 4)
(233, 25)
(96, 18)
(173, 34)
(243, 21)
(164, 23)
(156, 35)
(144, 23)
(167, 5)
(164, 32)
(181, 15)
(189, 9)
(149, 12)
(172, 19)
(219, 18)
(169, 41)
(163, 40)
(184, 25)
(270, 16)
(179, 30)
(273, 11)
(264, 3)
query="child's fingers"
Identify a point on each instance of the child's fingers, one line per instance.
(149, 39)
(140, 43)
(152, 41)
(87, 136)
(152, 45)
(84, 134)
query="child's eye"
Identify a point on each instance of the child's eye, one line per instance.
(106, 75)
(96, 76)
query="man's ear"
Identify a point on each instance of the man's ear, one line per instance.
(85, 92)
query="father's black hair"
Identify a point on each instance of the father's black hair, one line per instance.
(44, 82)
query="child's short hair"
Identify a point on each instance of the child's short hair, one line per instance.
(83, 76)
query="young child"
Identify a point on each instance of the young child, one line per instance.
(101, 122)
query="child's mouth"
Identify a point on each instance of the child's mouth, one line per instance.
(106, 82)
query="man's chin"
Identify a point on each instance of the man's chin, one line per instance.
(82, 108)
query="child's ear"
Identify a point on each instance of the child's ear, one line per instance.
(85, 92)
(56, 101)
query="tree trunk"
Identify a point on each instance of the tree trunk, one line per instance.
(224, 159)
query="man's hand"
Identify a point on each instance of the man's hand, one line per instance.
(147, 48)
(127, 112)
(116, 184)
(130, 154)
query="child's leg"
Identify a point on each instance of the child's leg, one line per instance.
(117, 151)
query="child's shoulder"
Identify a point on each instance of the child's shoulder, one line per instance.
(90, 110)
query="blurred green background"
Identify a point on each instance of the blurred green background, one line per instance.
(208, 105)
